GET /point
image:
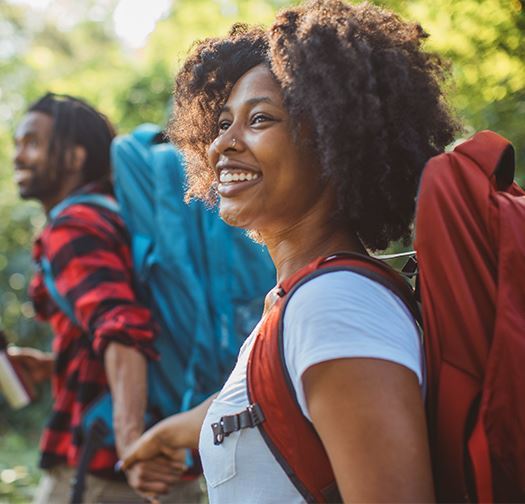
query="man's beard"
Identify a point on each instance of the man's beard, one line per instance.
(36, 184)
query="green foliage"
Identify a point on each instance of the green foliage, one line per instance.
(18, 471)
(484, 40)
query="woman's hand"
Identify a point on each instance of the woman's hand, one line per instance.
(155, 476)
(169, 438)
(370, 417)
(154, 443)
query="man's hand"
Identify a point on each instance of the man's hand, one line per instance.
(127, 377)
(155, 476)
(37, 365)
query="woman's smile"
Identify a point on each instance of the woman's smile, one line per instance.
(235, 178)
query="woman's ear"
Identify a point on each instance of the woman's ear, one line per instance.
(76, 158)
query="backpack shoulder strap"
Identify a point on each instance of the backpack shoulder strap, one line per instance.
(288, 433)
(96, 199)
(100, 200)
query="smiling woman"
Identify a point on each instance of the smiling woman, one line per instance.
(255, 141)
(314, 135)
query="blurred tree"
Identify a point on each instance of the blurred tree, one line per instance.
(146, 96)
(71, 47)
(485, 41)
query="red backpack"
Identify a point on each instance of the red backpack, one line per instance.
(470, 242)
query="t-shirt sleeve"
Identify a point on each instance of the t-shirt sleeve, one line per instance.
(346, 315)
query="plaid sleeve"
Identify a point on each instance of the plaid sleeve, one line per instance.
(90, 258)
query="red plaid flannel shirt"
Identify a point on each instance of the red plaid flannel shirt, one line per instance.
(88, 248)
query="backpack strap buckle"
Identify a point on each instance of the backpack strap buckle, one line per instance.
(248, 418)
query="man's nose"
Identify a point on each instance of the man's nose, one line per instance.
(19, 155)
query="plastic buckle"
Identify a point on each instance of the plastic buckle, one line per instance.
(218, 432)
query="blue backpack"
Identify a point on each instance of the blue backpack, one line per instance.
(204, 281)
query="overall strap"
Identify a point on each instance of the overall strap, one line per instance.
(290, 436)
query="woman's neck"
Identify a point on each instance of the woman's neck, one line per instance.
(298, 245)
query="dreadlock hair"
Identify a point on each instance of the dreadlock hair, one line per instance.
(359, 78)
(76, 123)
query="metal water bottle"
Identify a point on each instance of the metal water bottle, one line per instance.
(12, 385)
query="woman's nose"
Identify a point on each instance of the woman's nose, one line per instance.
(229, 140)
(223, 144)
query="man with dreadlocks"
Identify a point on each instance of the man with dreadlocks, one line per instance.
(63, 149)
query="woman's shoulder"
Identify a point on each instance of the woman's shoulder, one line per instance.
(347, 291)
(344, 314)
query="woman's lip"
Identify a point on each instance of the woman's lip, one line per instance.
(230, 189)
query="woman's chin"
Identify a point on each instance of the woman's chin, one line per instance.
(233, 216)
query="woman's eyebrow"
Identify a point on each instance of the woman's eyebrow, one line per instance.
(251, 102)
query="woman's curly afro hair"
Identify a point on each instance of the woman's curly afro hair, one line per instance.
(358, 77)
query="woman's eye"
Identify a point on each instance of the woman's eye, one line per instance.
(260, 118)
(224, 125)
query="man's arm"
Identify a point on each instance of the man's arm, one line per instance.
(127, 378)
(92, 266)
(126, 370)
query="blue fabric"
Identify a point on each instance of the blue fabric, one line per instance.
(204, 280)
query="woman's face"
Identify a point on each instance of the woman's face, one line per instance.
(266, 181)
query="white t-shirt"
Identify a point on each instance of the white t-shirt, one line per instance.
(336, 315)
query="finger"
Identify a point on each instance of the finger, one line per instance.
(146, 471)
(176, 455)
(131, 457)
(127, 462)
(147, 474)
(165, 464)
(152, 488)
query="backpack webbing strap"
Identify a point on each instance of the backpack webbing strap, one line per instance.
(248, 418)
(93, 441)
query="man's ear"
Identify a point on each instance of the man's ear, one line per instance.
(77, 158)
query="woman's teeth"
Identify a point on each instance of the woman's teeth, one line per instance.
(227, 176)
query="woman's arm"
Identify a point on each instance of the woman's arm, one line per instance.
(370, 416)
(169, 436)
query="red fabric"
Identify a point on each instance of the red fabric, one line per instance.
(288, 433)
(470, 245)
(89, 253)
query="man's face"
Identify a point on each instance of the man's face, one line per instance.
(34, 175)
